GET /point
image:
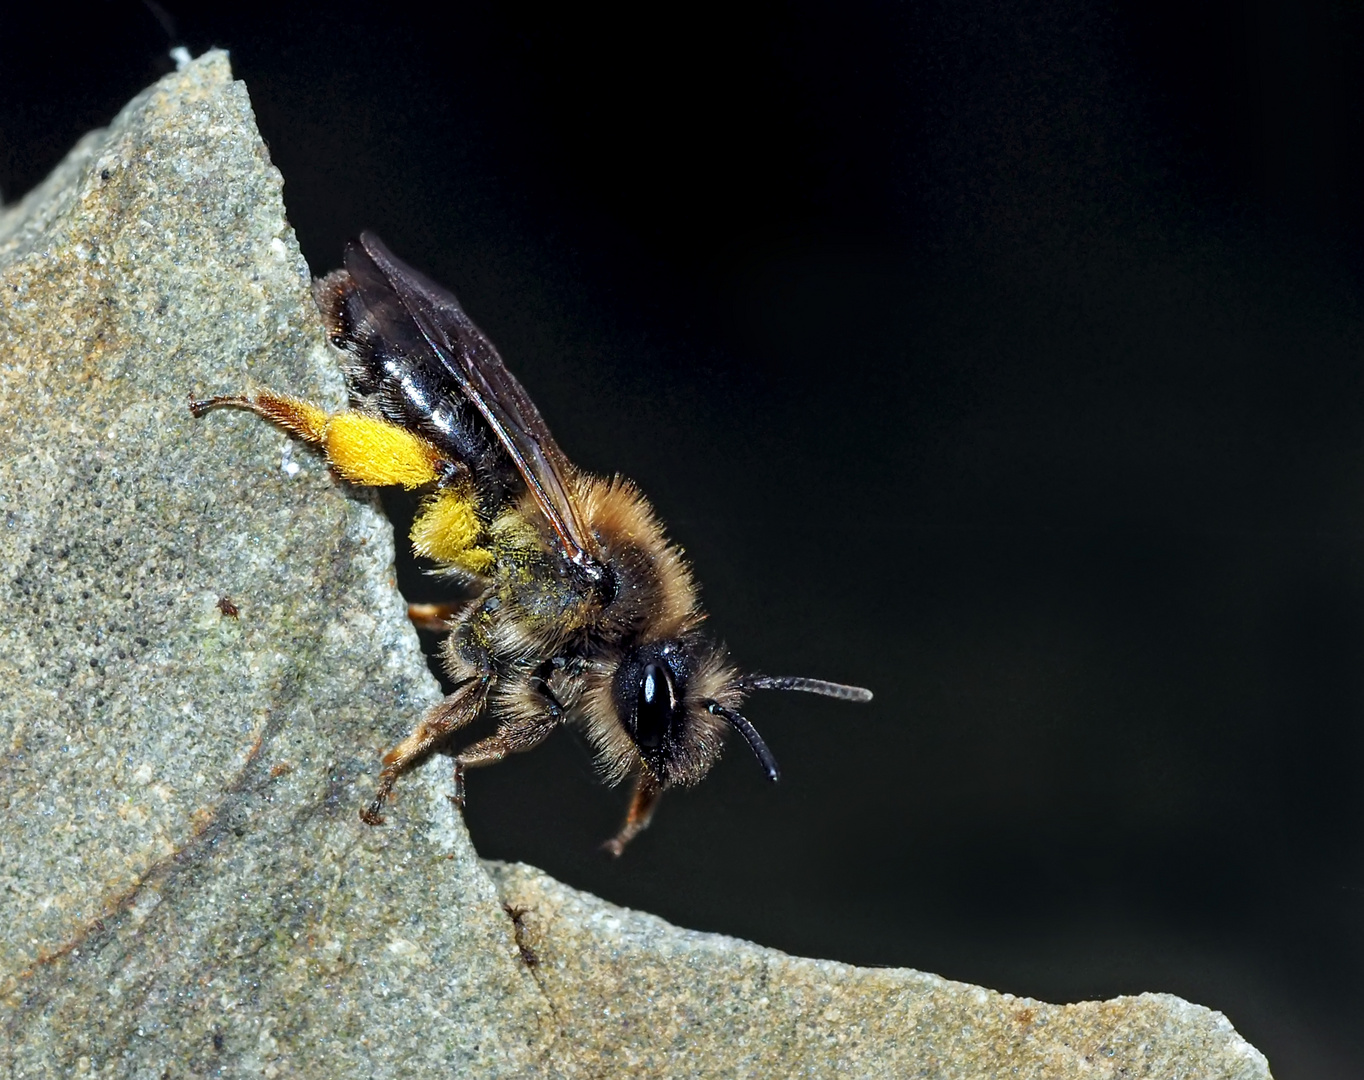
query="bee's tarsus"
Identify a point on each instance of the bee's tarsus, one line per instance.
(199, 406)
(370, 815)
(642, 805)
(373, 813)
(457, 796)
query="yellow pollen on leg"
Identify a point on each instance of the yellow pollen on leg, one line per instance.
(447, 529)
(367, 450)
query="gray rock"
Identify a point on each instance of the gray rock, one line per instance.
(185, 881)
(633, 995)
(186, 885)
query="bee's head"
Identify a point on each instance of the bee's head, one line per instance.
(661, 693)
(676, 698)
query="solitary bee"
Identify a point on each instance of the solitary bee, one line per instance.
(584, 612)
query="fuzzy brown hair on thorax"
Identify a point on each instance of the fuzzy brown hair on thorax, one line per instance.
(654, 586)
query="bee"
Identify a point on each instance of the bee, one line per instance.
(583, 612)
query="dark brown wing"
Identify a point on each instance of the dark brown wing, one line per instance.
(483, 379)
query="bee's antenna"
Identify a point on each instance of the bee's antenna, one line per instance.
(740, 723)
(810, 686)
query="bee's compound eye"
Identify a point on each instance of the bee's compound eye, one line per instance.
(654, 707)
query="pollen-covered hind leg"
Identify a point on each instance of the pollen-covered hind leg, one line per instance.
(457, 710)
(363, 449)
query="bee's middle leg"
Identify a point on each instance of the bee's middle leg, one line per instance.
(513, 737)
(457, 710)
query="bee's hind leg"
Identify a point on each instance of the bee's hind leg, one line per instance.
(457, 710)
(307, 422)
(361, 448)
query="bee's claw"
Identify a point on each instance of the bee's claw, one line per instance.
(457, 799)
(199, 406)
(370, 815)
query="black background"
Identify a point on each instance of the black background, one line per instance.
(1004, 358)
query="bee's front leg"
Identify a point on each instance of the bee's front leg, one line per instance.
(642, 807)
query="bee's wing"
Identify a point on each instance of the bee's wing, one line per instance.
(470, 359)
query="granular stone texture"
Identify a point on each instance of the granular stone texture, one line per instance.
(634, 996)
(186, 884)
(204, 656)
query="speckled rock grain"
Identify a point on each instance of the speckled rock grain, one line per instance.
(628, 989)
(185, 887)
(185, 883)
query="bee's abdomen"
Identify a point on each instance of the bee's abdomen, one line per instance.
(390, 371)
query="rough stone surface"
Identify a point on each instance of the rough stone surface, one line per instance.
(185, 883)
(185, 887)
(629, 989)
